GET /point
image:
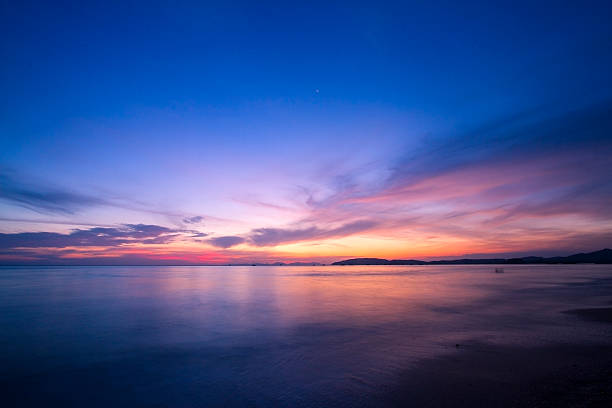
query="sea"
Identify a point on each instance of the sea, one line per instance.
(262, 336)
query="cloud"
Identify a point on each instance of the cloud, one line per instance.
(263, 237)
(226, 242)
(44, 199)
(527, 160)
(193, 220)
(92, 237)
(277, 236)
(515, 138)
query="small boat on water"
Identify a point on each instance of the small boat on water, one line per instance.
(499, 270)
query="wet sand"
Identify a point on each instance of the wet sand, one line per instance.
(483, 375)
(490, 376)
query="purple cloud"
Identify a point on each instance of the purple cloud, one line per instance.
(97, 236)
(193, 220)
(226, 242)
(276, 236)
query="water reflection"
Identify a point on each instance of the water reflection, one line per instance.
(286, 335)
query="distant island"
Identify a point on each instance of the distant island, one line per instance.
(598, 257)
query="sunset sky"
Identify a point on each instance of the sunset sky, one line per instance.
(158, 132)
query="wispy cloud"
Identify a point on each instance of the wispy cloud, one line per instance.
(277, 236)
(270, 237)
(51, 200)
(513, 141)
(226, 242)
(44, 199)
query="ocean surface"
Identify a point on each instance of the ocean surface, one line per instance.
(270, 336)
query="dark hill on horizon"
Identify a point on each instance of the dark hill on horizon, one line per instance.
(603, 256)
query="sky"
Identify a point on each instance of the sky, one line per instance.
(236, 132)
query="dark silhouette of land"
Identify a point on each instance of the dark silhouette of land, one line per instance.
(598, 257)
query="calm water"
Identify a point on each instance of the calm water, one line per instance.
(262, 336)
